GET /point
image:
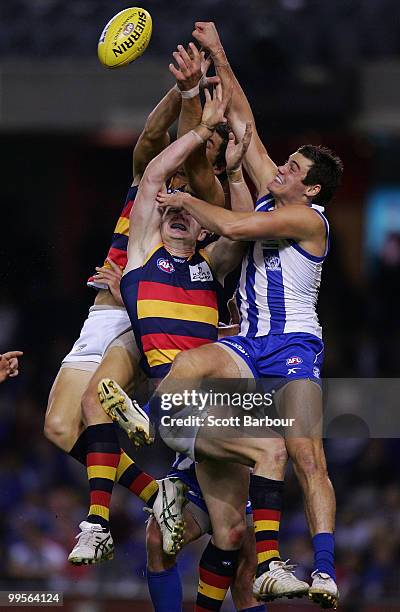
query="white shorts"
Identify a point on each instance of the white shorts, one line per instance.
(104, 326)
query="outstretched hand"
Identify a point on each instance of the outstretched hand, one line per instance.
(191, 69)
(214, 108)
(206, 34)
(235, 151)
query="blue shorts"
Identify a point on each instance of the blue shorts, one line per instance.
(282, 356)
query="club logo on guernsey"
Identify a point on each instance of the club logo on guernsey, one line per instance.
(200, 272)
(293, 361)
(272, 262)
(165, 266)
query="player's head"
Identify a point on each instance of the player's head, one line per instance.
(312, 173)
(216, 148)
(180, 227)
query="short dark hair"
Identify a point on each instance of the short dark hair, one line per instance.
(327, 170)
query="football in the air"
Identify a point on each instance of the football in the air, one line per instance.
(125, 37)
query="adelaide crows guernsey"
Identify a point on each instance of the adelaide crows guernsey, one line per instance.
(117, 252)
(172, 304)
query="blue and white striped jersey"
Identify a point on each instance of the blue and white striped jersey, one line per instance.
(279, 284)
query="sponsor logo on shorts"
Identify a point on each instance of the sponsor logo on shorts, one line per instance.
(292, 371)
(237, 346)
(294, 360)
(165, 265)
(80, 348)
(128, 29)
(200, 272)
(272, 263)
(316, 372)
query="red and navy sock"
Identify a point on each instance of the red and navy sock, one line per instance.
(140, 483)
(266, 500)
(324, 553)
(129, 474)
(103, 455)
(216, 571)
(79, 449)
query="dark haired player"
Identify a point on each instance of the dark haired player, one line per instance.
(280, 335)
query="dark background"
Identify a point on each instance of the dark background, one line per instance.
(314, 71)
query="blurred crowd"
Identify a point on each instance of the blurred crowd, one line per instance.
(339, 33)
(59, 220)
(44, 493)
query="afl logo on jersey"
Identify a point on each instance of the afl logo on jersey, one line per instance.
(272, 263)
(165, 266)
(294, 361)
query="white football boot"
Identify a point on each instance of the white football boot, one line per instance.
(126, 412)
(279, 581)
(324, 590)
(94, 545)
(168, 512)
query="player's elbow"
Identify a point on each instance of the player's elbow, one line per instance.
(154, 172)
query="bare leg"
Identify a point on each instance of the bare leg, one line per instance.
(302, 400)
(63, 421)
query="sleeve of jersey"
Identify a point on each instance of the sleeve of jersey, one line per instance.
(117, 252)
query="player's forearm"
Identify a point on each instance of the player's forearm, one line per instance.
(170, 160)
(198, 169)
(163, 115)
(239, 106)
(190, 115)
(219, 220)
(241, 199)
(154, 137)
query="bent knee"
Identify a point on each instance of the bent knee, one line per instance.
(232, 536)
(59, 430)
(310, 460)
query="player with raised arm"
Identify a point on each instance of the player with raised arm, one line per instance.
(169, 288)
(164, 587)
(279, 328)
(280, 334)
(314, 166)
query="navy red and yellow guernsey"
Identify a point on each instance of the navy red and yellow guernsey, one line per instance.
(172, 304)
(119, 242)
(117, 252)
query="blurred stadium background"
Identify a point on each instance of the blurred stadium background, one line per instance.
(314, 71)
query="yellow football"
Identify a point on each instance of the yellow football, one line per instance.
(125, 37)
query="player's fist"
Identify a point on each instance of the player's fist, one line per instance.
(206, 34)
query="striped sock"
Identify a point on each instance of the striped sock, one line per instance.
(129, 475)
(217, 568)
(103, 455)
(266, 501)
